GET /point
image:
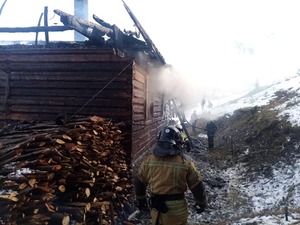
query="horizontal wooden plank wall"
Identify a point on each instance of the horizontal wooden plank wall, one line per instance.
(144, 129)
(39, 84)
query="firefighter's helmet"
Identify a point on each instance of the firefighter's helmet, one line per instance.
(171, 135)
(169, 142)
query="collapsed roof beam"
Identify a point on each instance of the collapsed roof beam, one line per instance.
(147, 39)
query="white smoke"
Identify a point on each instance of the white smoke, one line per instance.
(175, 86)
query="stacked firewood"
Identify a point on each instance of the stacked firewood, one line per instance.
(74, 173)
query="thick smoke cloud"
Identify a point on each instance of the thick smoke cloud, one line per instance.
(176, 86)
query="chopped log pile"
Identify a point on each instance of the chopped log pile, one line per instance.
(74, 173)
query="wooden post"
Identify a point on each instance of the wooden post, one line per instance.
(37, 32)
(34, 29)
(46, 24)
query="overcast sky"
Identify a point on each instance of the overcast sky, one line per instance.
(219, 44)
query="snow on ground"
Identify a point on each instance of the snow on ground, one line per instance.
(290, 107)
(270, 220)
(286, 180)
(268, 194)
(269, 197)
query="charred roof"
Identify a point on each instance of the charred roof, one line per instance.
(100, 34)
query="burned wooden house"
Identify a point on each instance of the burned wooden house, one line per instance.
(103, 77)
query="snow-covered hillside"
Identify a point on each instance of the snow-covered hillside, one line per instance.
(269, 192)
(289, 107)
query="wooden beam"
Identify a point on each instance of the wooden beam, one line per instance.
(149, 42)
(33, 29)
(46, 24)
(91, 30)
(37, 33)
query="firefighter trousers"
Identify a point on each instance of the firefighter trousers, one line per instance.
(177, 213)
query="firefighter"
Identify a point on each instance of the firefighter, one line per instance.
(211, 129)
(186, 145)
(166, 174)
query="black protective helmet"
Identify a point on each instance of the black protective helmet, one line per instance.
(171, 135)
(168, 142)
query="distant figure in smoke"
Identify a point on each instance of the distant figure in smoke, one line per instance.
(211, 129)
(210, 105)
(202, 103)
(194, 120)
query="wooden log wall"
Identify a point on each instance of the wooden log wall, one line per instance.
(40, 84)
(148, 115)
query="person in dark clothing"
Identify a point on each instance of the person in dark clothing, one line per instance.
(203, 103)
(211, 129)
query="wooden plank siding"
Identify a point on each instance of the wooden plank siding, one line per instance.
(148, 118)
(39, 84)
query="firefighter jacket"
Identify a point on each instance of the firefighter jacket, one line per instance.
(170, 175)
(167, 178)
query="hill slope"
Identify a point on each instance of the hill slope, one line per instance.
(252, 176)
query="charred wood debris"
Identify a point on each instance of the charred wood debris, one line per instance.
(73, 173)
(110, 35)
(100, 34)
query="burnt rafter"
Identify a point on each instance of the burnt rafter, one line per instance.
(102, 22)
(146, 37)
(103, 33)
(121, 40)
(91, 30)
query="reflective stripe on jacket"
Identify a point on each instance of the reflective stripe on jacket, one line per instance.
(169, 174)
